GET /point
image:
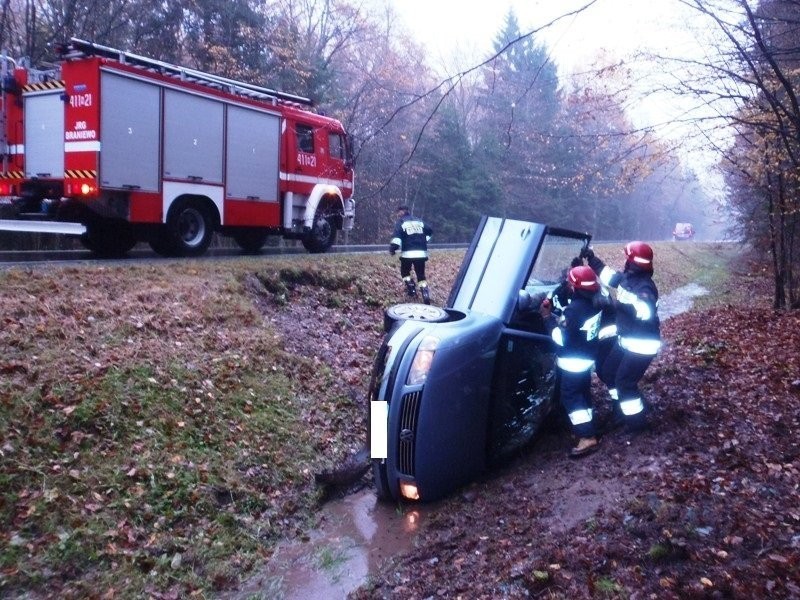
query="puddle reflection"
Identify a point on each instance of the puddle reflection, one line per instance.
(355, 536)
(680, 300)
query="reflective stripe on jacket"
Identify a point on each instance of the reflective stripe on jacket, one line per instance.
(411, 236)
(577, 334)
(638, 326)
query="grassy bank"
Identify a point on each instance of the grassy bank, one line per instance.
(163, 422)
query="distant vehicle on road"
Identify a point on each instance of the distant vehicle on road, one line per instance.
(456, 389)
(682, 231)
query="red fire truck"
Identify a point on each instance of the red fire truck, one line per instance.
(119, 148)
(11, 169)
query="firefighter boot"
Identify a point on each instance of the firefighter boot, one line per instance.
(411, 288)
(584, 446)
(426, 293)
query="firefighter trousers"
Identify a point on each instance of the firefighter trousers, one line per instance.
(576, 397)
(417, 263)
(625, 369)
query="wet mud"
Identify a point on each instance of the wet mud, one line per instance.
(680, 300)
(357, 534)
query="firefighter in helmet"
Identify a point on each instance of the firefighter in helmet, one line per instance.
(576, 336)
(638, 328)
(410, 237)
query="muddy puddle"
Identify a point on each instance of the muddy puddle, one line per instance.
(355, 535)
(679, 301)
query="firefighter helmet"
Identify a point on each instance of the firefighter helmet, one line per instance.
(583, 279)
(639, 254)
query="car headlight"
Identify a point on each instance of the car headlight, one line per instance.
(422, 361)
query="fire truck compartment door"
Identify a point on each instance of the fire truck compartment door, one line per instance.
(252, 161)
(44, 135)
(130, 115)
(193, 137)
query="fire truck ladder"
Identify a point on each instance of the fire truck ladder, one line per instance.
(78, 48)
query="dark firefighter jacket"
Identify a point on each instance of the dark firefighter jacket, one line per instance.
(577, 333)
(638, 326)
(411, 237)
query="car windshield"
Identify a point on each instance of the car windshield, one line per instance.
(555, 255)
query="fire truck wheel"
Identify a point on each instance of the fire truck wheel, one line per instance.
(251, 240)
(322, 235)
(190, 228)
(108, 241)
(162, 245)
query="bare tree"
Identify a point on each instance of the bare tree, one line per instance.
(755, 75)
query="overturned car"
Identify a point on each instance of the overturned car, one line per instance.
(455, 390)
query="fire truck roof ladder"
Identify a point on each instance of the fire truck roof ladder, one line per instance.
(78, 48)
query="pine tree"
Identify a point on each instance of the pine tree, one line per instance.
(454, 188)
(519, 103)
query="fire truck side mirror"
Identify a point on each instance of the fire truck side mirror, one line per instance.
(10, 86)
(350, 159)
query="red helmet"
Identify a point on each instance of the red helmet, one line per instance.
(639, 254)
(583, 278)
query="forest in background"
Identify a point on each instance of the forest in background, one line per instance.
(508, 136)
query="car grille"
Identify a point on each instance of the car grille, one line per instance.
(409, 413)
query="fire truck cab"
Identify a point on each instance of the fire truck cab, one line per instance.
(119, 148)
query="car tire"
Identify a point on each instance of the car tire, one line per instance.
(382, 490)
(413, 311)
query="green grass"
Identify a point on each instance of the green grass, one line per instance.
(142, 432)
(608, 588)
(152, 411)
(677, 264)
(331, 559)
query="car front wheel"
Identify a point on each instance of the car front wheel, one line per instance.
(382, 489)
(412, 311)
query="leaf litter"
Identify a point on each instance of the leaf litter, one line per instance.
(164, 423)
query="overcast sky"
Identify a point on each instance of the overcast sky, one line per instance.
(459, 34)
(616, 28)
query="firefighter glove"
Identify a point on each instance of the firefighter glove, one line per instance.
(576, 262)
(587, 252)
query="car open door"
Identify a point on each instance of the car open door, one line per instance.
(496, 267)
